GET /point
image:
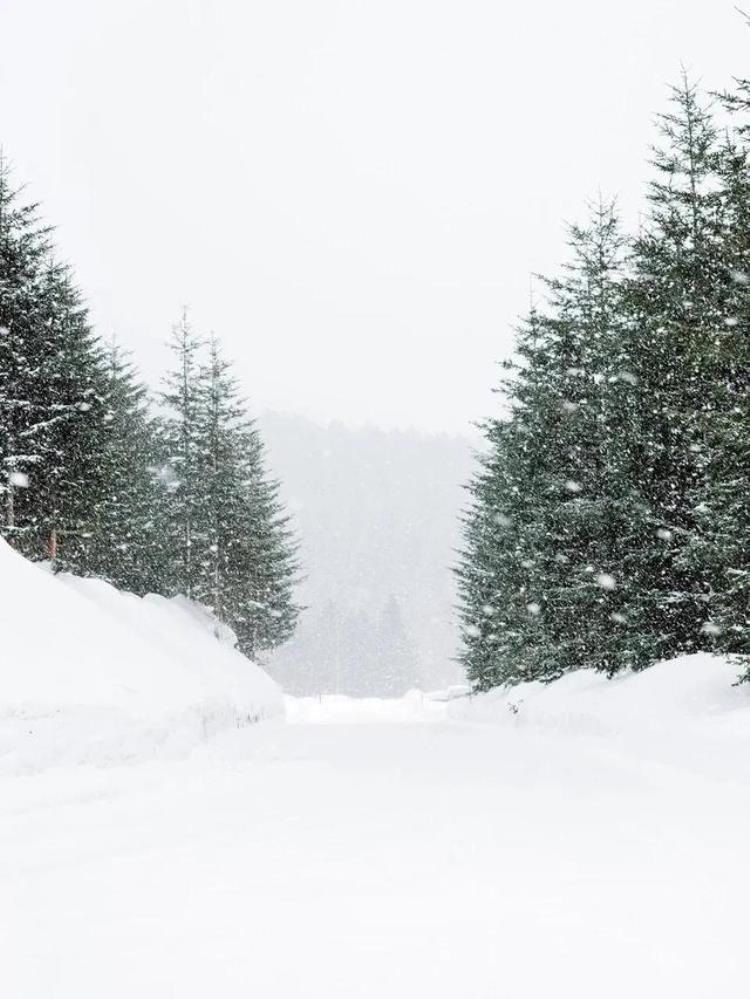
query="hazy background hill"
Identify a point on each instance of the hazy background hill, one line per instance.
(377, 516)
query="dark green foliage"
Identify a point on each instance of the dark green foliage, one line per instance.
(235, 550)
(89, 480)
(128, 544)
(609, 525)
(52, 387)
(546, 525)
(179, 459)
(676, 298)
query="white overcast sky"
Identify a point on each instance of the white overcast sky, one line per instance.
(351, 194)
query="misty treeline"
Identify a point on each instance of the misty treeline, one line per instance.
(375, 510)
(357, 651)
(169, 498)
(608, 525)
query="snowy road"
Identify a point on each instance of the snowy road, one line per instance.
(404, 858)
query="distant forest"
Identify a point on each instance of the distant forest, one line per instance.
(376, 512)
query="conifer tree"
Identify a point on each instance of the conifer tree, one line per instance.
(69, 433)
(179, 461)
(24, 246)
(232, 548)
(265, 564)
(51, 392)
(128, 537)
(549, 502)
(677, 301)
(643, 559)
(723, 514)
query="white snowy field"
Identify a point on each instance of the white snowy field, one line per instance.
(588, 839)
(421, 856)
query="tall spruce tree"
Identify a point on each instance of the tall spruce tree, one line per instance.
(232, 546)
(51, 392)
(723, 542)
(24, 247)
(179, 462)
(677, 302)
(646, 557)
(127, 546)
(247, 560)
(536, 578)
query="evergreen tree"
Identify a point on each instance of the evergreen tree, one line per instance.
(51, 392)
(69, 435)
(230, 541)
(631, 396)
(542, 534)
(128, 541)
(722, 543)
(179, 462)
(677, 302)
(24, 246)
(264, 566)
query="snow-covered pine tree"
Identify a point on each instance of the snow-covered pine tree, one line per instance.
(491, 582)
(263, 565)
(723, 544)
(51, 381)
(127, 547)
(68, 431)
(232, 547)
(677, 304)
(536, 578)
(24, 246)
(179, 463)
(589, 507)
(221, 440)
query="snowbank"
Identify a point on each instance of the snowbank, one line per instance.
(684, 708)
(337, 709)
(89, 674)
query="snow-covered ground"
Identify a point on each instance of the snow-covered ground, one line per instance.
(403, 857)
(89, 674)
(583, 840)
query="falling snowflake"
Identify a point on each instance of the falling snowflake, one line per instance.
(533, 608)
(617, 617)
(664, 534)
(709, 628)
(19, 479)
(572, 486)
(606, 581)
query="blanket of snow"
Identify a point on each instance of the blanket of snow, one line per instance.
(90, 674)
(581, 840)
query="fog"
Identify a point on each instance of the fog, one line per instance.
(352, 195)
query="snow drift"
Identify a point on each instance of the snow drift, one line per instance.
(89, 674)
(689, 710)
